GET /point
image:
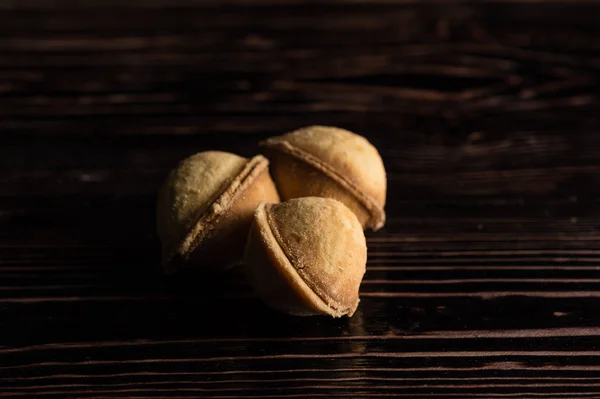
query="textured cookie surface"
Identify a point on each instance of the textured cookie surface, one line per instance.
(325, 244)
(347, 158)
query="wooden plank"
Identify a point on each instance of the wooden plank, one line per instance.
(483, 283)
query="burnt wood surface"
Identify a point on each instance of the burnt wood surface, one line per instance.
(485, 281)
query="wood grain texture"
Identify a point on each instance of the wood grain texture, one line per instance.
(484, 282)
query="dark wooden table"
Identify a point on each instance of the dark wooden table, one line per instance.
(485, 282)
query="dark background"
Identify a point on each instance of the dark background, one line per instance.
(483, 283)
